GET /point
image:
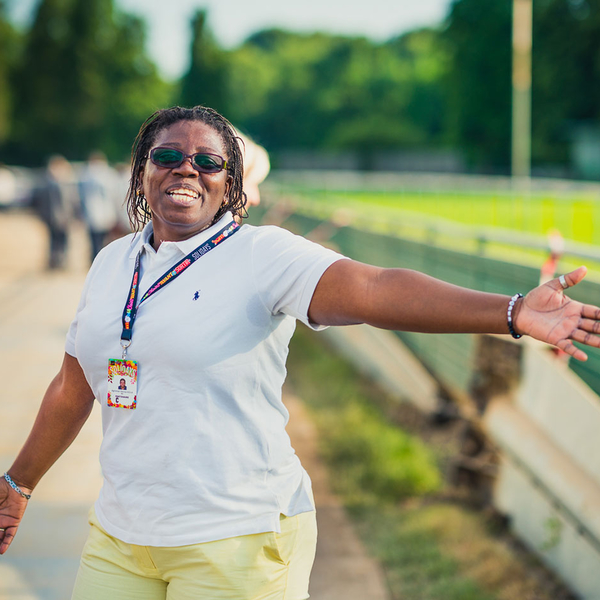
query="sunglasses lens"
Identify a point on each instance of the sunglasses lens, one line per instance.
(167, 157)
(208, 163)
(171, 158)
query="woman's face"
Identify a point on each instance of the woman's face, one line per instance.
(184, 201)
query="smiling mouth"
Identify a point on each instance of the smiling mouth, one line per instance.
(183, 195)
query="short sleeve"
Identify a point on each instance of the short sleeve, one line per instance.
(72, 332)
(287, 269)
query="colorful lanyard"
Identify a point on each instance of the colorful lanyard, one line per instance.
(132, 306)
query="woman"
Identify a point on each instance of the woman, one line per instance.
(203, 497)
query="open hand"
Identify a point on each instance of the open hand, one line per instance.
(12, 507)
(548, 315)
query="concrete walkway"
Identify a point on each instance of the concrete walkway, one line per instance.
(35, 310)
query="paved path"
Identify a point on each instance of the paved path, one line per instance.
(35, 310)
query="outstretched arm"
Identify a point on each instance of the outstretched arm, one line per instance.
(65, 408)
(350, 292)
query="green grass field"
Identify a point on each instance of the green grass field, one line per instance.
(577, 218)
(460, 220)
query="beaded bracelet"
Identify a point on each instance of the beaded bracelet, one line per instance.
(15, 487)
(509, 319)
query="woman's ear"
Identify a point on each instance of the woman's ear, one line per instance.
(228, 185)
(140, 179)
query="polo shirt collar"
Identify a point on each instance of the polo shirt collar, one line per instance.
(184, 246)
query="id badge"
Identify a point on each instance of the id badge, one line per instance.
(122, 383)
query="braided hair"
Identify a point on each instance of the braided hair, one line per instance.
(137, 207)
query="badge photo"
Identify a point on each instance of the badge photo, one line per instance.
(122, 383)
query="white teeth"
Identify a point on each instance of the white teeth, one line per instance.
(183, 195)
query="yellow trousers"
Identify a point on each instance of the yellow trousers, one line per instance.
(263, 566)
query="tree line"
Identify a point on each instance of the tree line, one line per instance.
(79, 79)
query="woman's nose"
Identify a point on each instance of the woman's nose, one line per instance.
(186, 168)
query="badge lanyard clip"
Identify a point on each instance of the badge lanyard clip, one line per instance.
(125, 344)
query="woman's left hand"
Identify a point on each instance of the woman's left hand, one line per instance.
(548, 315)
(12, 507)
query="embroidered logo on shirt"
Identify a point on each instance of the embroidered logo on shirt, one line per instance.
(196, 295)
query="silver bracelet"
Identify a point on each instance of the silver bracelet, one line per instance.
(509, 318)
(15, 487)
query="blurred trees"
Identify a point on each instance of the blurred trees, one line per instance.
(478, 36)
(394, 100)
(566, 74)
(137, 90)
(39, 84)
(83, 82)
(431, 88)
(565, 86)
(113, 86)
(206, 80)
(9, 41)
(80, 79)
(341, 93)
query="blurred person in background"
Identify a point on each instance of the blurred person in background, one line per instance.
(203, 496)
(256, 168)
(55, 200)
(98, 190)
(556, 245)
(8, 186)
(122, 225)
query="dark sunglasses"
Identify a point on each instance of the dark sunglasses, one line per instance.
(169, 158)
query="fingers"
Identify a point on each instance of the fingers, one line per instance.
(6, 537)
(569, 279)
(589, 311)
(570, 348)
(584, 337)
(584, 334)
(590, 325)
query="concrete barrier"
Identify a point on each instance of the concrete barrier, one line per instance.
(549, 479)
(380, 355)
(546, 429)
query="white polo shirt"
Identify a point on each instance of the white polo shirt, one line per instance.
(205, 454)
